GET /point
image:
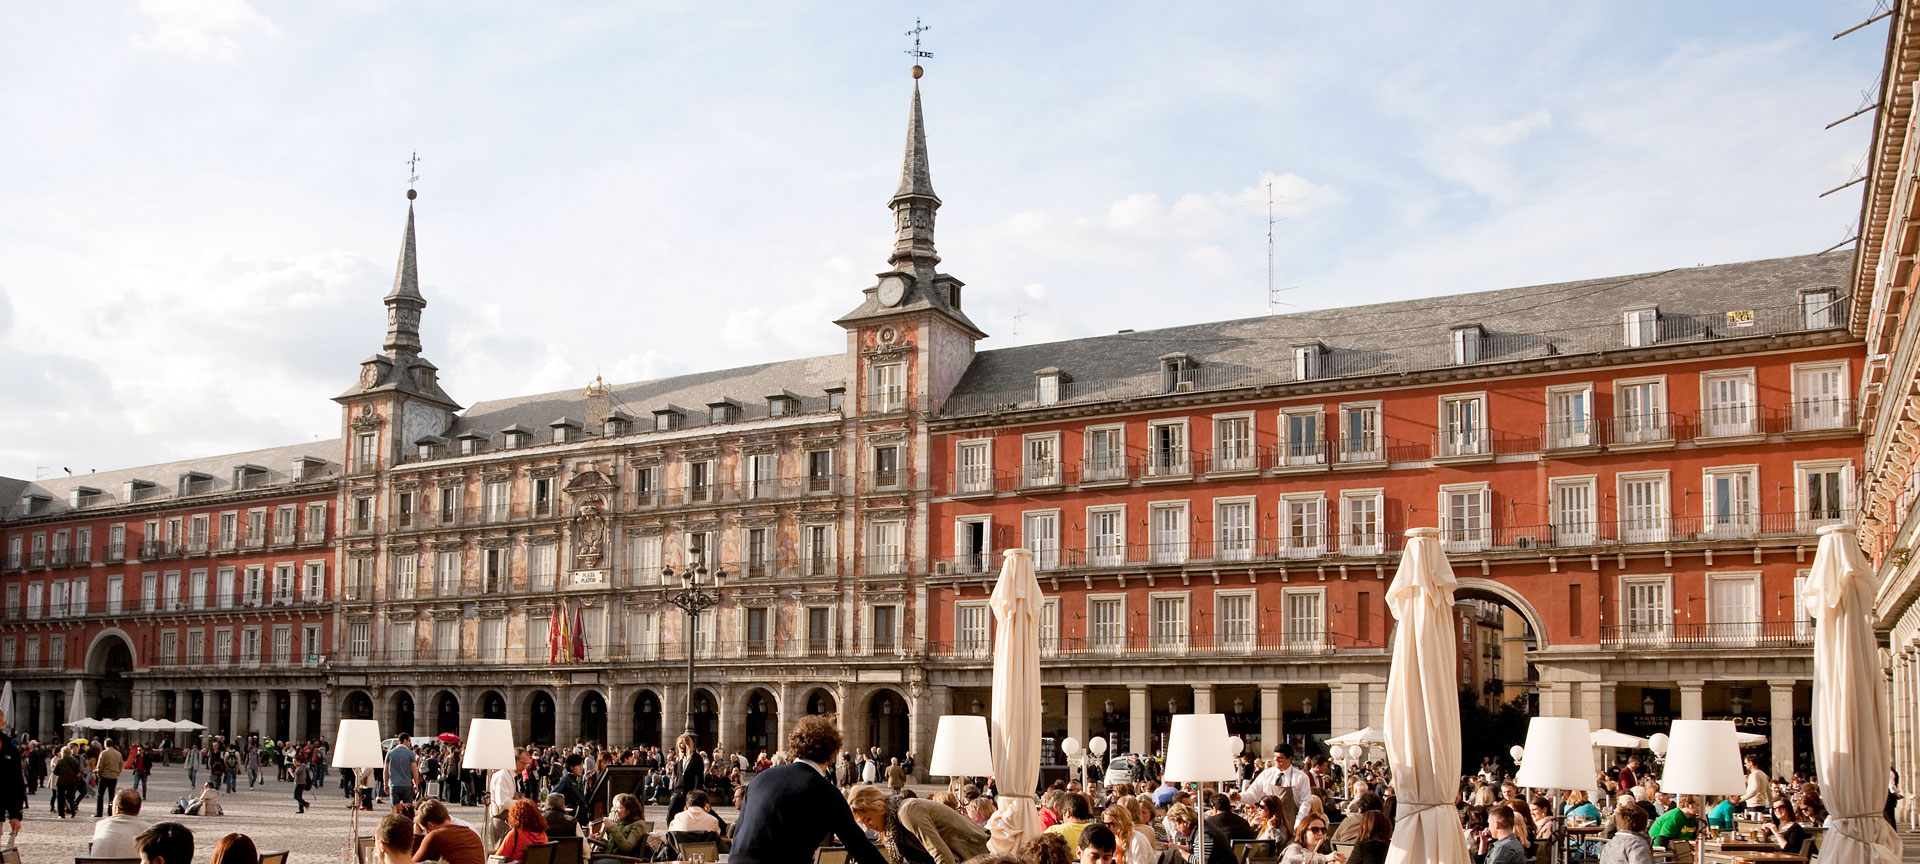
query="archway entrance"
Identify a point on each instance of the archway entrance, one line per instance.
(540, 723)
(887, 723)
(706, 721)
(646, 719)
(1506, 630)
(762, 724)
(593, 718)
(359, 706)
(402, 713)
(493, 706)
(446, 713)
(821, 702)
(108, 664)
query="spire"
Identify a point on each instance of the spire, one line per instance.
(404, 302)
(914, 204)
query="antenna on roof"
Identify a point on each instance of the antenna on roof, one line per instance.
(1273, 293)
(1016, 324)
(1882, 9)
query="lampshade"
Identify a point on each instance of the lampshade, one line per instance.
(357, 745)
(489, 745)
(1071, 746)
(1703, 758)
(1197, 749)
(1098, 746)
(1559, 754)
(960, 747)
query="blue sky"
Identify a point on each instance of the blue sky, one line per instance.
(203, 198)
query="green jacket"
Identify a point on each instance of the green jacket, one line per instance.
(1673, 825)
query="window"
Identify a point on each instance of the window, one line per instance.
(223, 647)
(310, 643)
(282, 646)
(33, 652)
(1233, 530)
(446, 573)
(819, 551)
(360, 579)
(1362, 529)
(1461, 432)
(1040, 465)
(1820, 397)
(543, 565)
(250, 646)
(819, 470)
(39, 550)
(173, 535)
(889, 386)
(1823, 493)
(763, 475)
(283, 523)
(196, 646)
(1167, 623)
(975, 471)
(972, 544)
(83, 545)
(643, 635)
(197, 588)
(1304, 526)
(13, 553)
(1465, 514)
(1049, 626)
(13, 601)
(57, 599)
(1640, 411)
(1645, 610)
(1305, 626)
(1040, 534)
(1641, 326)
(169, 646)
(493, 638)
(885, 627)
(1300, 437)
(666, 420)
(778, 407)
(759, 551)
(494, 501)
(1047, 386)
(1802, 620)
(404, 577)
(819, 629)
(116, 545)
(885, 553)
(446, 638)
(543, 496)
(256, 585)
(449, 505)
(359, 640)
(886, 466)
(149, 592)
(698, 544)
(971, 635)
(1107, 536)
(1176, 373)
(1572, 510)
(257, 527)
(314, 589)
(1570, 416)
(756, 629)
(229, 529)
(835, 398)
(1106, 455)
(1728, 408)
(493, 574)
(1729, 504)
(1167, 530)
(644, 488)
(1466, 344)
(116, 592)
(1821, 309)
(1106, 624)
(366, 454)
(282, 584)
(1643, 507)
(1233, 443)
(1733, 609)
(1307, 361)
(1233, 620)
(1167, 441)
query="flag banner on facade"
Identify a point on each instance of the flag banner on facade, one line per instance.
(579, 640)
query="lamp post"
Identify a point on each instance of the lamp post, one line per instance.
(693, 598)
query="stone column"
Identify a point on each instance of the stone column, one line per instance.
(1203, 698)
(265, 709)
(1556, 699)
(237, 712)
(1692, 702)
(619, 716)
(182, 705)
(790, 713)
(1780, 735)
(922, 717)
(1077, 712)
(566, 715)
(726, 726)
(297, 715)
(673, 714)
(209, 706)
(1269, 717)
(329, 714)
(1344, 713)
(1606, 717)
(1139, 720)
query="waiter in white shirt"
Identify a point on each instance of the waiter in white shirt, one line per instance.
(1281, 778)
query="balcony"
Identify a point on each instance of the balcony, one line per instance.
(13, 560)
(1162, 464)
(1041, 475)
(1630, 430)
(886, 565)
(1151, 646)
(60, 554)
(116, 552)
(1230, 460)
(1470, 444)
(1749, 634)
(977, 480)
(1105, 469)
(118, 607)
(1733, 421)
(1569, 435)
(1821, 415)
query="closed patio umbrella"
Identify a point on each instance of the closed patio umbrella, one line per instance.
(77, 706)
(1015, 734)
(1849, 711)
(1423, 708)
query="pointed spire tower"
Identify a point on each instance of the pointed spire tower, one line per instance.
(915, 203)
(404, 302)
(399, 369)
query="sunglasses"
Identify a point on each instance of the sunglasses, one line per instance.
(1316, 830)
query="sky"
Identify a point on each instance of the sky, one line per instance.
(202, 200)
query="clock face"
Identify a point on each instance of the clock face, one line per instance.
(892, 289)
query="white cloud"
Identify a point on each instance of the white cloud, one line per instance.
(201, 29)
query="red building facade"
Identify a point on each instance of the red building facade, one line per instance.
(196, 591)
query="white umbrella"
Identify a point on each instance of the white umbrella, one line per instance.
(1610, 738)
(6, 702)
(123, 724)
(1423, 708)
(81, 723)
(1849, 709)
(77, 706)
(187, 726)
(1746, 739)
(1015, 737)
(151, 725)
(1364, 735)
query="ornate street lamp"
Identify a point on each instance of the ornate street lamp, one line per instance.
(693, 598)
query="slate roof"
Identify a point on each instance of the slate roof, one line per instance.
(1518, 323)
(279, 462)
(807, 378)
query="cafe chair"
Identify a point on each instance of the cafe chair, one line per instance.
(1254, 851)
(681, 845)
(10, 855)
(539, 853)
(363, 850)
(830, 855)
(566, 850)
(279, 857)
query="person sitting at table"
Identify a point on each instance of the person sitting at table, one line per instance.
(1541, 811)
(1579, 810)
(526, 825)
(1630, 843)
(698, 816)
(1720, 818)
(1783, 827)
(1306, 843)
(1675, 829)
(623, 833)
(1372, 839)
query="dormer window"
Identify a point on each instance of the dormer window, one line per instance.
(1308, 361)
(1820, 309)
(1642, 326)
(308, 467)
(667, 419)
(836, 396)
(723, 411)
(617, 425)
(33, 504)
(1176, 373)
(423, 374)
(82, 496)
(249, 476)
(1467, 344)
(1050, 385)
(470, 443)
(133, 489)
(565, 430)
(782, 404)
(195, 483)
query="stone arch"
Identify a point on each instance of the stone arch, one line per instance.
(101, 648)
(706, 723)
(541, 710)
(444, 707)
(591, 714)
(110, 659)
(1478, 588)
(886, 715)
(648, 719)
(493, 705)
(760, 723)
(819, 699)
(356, 705)
(404, 711)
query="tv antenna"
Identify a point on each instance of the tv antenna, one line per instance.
(1273, 292)
(1016, 325)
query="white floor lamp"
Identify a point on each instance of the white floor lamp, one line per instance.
(960, 748)
(1198, 752)
(1558, 756)
(356, 747)
(489, 747)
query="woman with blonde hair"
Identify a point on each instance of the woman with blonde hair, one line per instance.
(689, 770)
(915, 829)
(1135, 842)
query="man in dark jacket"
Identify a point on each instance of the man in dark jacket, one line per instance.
(1220, 814)
(571, 788)
(790, 809)
(13, 785)
(559, 824)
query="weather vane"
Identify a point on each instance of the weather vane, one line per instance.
(413, 172)
(916, 53)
